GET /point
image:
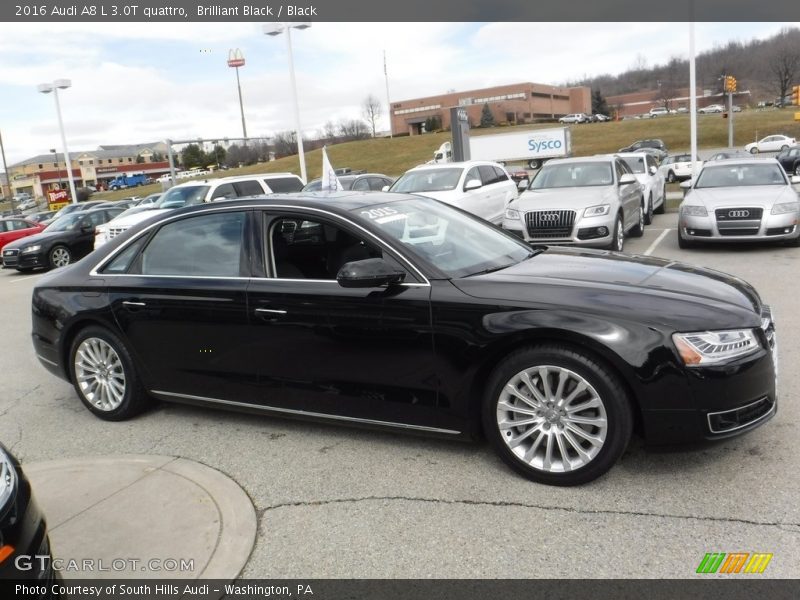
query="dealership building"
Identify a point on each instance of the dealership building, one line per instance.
(511, 104)
(48, 172)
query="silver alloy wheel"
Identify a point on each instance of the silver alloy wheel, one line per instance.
(100, 374)
(60, 257)
(552, 419)
(620, 235)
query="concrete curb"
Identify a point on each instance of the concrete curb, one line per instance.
(132, 509)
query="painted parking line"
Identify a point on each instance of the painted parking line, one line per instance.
(18, 279)
(655, 244)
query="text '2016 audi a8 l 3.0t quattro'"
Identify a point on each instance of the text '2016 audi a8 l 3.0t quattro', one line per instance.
(392, 310)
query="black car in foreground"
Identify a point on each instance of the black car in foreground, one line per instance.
(790, 160)
(392, 310)
(24, 545)
(65, 240)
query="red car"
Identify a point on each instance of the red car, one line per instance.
(14, 228)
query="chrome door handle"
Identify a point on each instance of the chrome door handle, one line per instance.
(133, 304)
(270, 311)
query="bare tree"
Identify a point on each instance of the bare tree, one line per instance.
(285, 143)
(668, 85)
(353, 129)
(372, 111)
(329, 132)
(784, 63)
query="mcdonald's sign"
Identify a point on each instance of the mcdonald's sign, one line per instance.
(235, 58)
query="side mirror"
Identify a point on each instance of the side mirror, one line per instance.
(472, 184)
(523, 185)
(385, 188)
(367, 273)
(686, 185)
(87, 228)
(653, 170)
(627, 178)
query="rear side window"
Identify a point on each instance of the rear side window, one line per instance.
(501, 175)
(248, 188)
(488, 176)
(361, 185)
(283, 185)
(205, 245)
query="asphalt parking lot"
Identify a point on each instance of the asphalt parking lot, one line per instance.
(339, 502)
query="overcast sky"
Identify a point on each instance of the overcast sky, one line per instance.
(141, 82)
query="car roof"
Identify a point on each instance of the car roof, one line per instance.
(462, 164)
(583, 159)
(637, 154)
(743, 161)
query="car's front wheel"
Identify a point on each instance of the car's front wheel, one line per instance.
(638, 229)
(684, 243)
(104, 376)
(59, 256)
(797, 168)
(556, 415)
(618, 238)
(661, 208)
(671, 177)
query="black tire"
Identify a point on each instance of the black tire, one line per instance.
(797, 168)
(638, 229)
(662, 208)
(648, 214)
(754, 150)
(535, 164)
(59, 256)
(671, 177)
(684, 243)
(795, 243)
(619, 231)
(24, 269)
(134, 399)
(614, 401)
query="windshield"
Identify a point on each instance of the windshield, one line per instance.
(581, 174)
(457, 244)
(64, 223)
(740, 175)
(427, 180)
(636, 164)
(182, 196)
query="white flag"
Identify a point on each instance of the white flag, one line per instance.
(329, 180)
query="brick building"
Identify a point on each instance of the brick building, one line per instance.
(512, 104)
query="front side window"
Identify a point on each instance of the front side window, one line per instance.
(209, 245)
(301, 248)
(183, 196)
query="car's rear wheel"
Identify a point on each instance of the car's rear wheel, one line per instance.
(535, 164)
(59, 256)
(754, 150)
(661, 208)
(104, 376)
(797, 168)
(648, 214)
(638, 229)
(556, 415)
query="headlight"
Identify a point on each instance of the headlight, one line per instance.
(8, 478)
(34, 248)
(512, 214)
(714, 347)
(692, 210)
(786, 207)
(597, 211)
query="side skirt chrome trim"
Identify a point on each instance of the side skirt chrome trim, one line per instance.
(48, 361)
(305, 413)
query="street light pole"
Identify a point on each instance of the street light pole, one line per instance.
(46, 88)
(236, 60)
(276, 29)
(55, 157)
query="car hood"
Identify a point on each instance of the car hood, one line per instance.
(574, 198)
(741, 196)
(39, 238)
(445, 196)
(664, 292)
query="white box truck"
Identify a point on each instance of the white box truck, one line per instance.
(532, 147)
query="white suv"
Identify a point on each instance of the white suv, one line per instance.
(199, 191)
(481, 187)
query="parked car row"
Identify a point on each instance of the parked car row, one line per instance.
(584, 118)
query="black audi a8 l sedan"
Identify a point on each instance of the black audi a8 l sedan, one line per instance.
(396, 311)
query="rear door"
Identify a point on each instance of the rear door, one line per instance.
(477, 201)
(179, 297)
(496, 192)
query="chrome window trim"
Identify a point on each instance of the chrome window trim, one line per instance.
(107, 259)
(306, 413)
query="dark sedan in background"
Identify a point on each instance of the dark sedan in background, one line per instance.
(393, 310)
(358, 182)
(65, 240)
(790, 160)
(24, 545)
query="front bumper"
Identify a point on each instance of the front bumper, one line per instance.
(722, 401)
(590, 232)
(767, 227)
(12, 259)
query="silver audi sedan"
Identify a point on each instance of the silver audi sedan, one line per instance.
(740, 200)
(594, 201)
